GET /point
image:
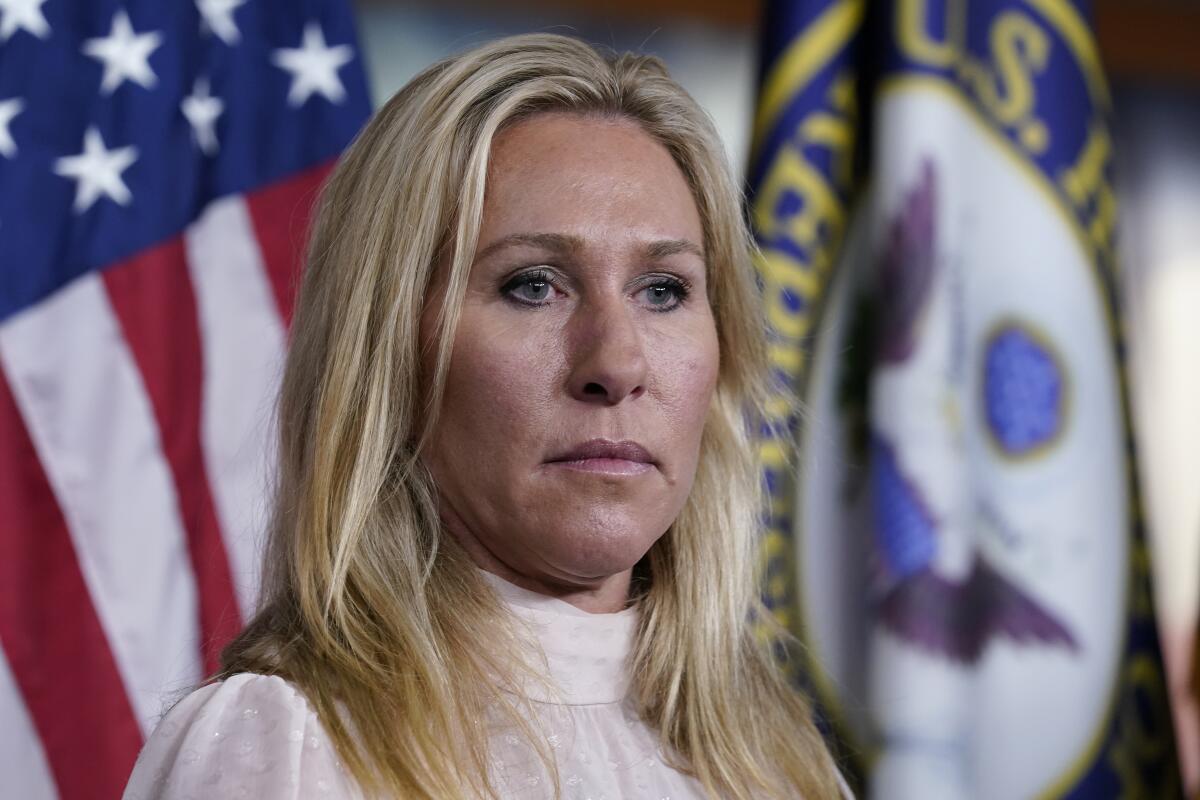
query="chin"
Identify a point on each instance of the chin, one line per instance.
(602, 548)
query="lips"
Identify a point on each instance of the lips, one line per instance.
(626, 450)
(606, 457)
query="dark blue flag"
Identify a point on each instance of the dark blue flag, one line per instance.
(955, 533)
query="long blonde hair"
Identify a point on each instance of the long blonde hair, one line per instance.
(368, 608)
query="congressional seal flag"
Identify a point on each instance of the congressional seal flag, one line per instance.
(158, 161)
(955, 530)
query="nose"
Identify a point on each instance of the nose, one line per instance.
(609, 360)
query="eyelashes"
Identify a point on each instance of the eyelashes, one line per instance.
(538, 282)
(535, 288)
(675, 290)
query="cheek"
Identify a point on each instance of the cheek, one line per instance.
(689, 371)
(497, 387)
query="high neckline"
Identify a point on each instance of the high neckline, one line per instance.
(586, 654)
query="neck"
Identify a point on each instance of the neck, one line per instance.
(609, 596)
(606, 594)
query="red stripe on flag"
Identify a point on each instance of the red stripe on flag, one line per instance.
(153, 298)
(51, 634)
(282, 213)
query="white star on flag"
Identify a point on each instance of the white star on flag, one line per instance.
(314, 67)
(218, 18)
(202, 110)
(125, 54)
(9, 109)
(97, 171)
(24, 15)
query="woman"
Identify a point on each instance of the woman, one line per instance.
(514, 534)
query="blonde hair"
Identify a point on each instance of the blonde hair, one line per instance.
(368, 608)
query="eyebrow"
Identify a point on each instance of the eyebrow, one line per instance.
(556, 242)
(670, 247)
(569, 245)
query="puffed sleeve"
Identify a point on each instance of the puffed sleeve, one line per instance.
(249, 736)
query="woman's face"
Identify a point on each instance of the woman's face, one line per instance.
(584, 362)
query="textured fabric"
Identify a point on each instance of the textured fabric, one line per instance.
(255, 736)
(251, 736)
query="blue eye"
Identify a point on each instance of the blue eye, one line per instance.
(660, 295)
(530, 288)
(665, 294)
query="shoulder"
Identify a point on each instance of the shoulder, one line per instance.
(252, 736)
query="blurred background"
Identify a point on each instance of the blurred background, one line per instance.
(146, 290)
(1151, 50)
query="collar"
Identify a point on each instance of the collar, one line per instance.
(585, 654)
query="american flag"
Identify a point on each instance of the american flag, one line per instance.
(158, 163)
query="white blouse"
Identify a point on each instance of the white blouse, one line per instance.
(255, 736)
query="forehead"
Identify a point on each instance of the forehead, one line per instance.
(585, 174)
